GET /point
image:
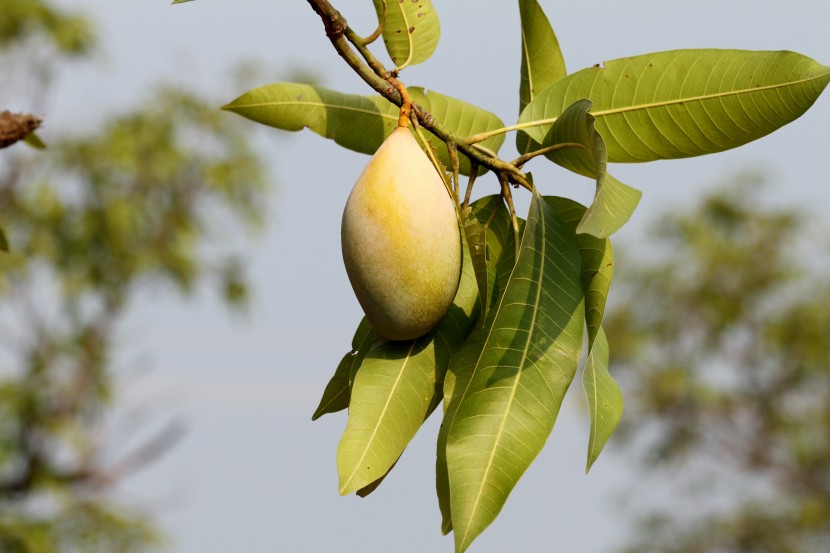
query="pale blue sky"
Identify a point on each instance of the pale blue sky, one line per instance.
(254, 474)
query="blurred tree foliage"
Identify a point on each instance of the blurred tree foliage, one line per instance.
(93, 222)
(723, 348)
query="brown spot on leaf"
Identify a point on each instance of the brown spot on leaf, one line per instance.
(411, 30)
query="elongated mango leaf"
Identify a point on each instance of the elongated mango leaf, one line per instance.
(506, 406)
(684, 103)
(597, 259)
(604, 397)
(338, 390)
(395, 389)
(614, 202)
(542, 60)
(180, 1)
(476, 238)
(501, 258)
(411, 30)
(605, 401)
(360, 123)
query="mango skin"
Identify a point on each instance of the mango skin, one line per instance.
(401, 241)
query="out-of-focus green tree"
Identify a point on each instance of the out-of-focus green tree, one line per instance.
(723, 348)
(94, 223)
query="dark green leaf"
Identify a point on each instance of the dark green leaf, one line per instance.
(685, 103)
(503, 410)
(411, 30)
(4, 242)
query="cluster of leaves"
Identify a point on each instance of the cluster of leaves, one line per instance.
(723, 345)
(92, 221)
(507, 351)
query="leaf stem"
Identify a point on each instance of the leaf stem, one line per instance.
(374, 36)
(470, 182)
(480, 137)
(406, 102)
(362, 47)
(453, 153)
(521, 160)
(508, 196)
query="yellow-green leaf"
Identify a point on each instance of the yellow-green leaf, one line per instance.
(396, 387)
(684, 103)
(585, 153)
(542, 60)
(411, 30)
(361, 123)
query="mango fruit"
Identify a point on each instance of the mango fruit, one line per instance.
(401, 240)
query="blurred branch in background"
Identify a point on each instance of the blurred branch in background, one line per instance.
(94, 222)
(723, 350)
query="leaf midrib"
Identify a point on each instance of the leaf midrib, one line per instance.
(380, 418)
(313, 104)
(704, 97)
(675, 101)
(409, 37)
(500, 432)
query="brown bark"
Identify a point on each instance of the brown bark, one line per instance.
(16, 126)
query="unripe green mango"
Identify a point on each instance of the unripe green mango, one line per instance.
(401, 241)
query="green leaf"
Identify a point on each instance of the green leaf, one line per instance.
(597, 259)
(501, 258)
(503, 410)
(338, 391)
(4, 242)
(460, 118)
(360, 123)
(685, 103)
(476, 238)
(605, 401)
(603, 394)
(411, 30)
(395, 389)
(180, 1)
(613, 205)
(33, 140)
(366, 490)
(584, 153)
(542, 60)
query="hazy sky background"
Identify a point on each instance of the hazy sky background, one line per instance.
(254, 474)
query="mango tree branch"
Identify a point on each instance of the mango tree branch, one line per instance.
(336, 29)
(16, 126)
